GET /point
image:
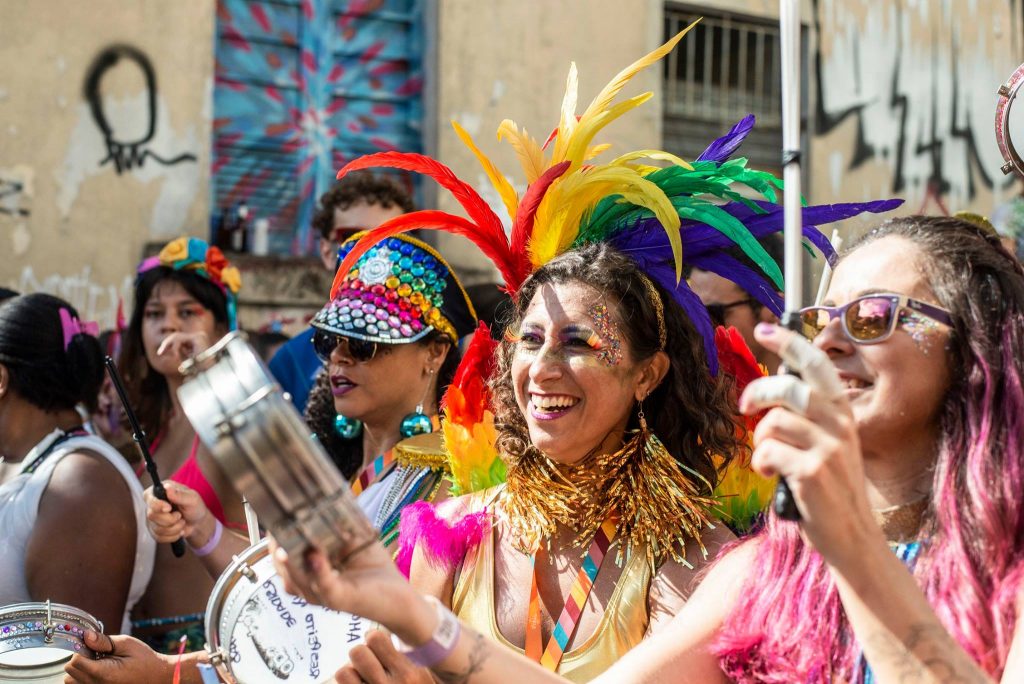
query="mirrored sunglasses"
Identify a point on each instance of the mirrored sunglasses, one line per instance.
(869, 319)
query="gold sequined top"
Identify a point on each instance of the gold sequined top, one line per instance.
(623, 625)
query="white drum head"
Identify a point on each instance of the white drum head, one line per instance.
(266, 634)
(31, 657)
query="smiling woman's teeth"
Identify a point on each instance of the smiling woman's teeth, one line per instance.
(553, 402)
(855, 383)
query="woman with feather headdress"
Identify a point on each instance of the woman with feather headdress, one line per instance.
(610, 410)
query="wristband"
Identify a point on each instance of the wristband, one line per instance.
(441, 644)
(207, 548)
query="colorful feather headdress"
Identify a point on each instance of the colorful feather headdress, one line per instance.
(663, 216)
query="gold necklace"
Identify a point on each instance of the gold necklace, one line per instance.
(901, 523)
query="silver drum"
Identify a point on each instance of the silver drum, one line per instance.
(38, 639)
(261, 443)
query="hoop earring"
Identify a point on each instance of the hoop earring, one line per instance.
(347, 428)
(417, 422)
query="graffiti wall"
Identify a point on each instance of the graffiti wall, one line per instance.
(104, 141)
(906, 95)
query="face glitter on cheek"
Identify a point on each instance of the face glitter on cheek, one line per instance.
(609, 349)
(920, 328)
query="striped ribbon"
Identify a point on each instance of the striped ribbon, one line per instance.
(372, 471)
(574, 602)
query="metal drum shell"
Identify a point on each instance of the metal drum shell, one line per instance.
(35, 611)
(266, 450)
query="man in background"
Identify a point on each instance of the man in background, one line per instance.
(359, 201)
(731, 306)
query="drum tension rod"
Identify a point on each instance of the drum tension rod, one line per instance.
(49, 628)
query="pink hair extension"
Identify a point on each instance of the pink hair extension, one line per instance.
(445, 544)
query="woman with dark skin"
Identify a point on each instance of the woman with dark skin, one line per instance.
(66, 480)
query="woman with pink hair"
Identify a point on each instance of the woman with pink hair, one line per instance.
(903, 448)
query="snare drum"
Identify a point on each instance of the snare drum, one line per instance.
(261, 443)
(38, 639)
(258, 633)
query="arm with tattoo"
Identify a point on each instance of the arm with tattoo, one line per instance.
(902, 638)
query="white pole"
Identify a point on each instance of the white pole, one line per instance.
(789, 29)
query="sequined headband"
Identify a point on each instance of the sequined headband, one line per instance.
(659, 310)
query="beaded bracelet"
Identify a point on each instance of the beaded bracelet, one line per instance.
(207, 548)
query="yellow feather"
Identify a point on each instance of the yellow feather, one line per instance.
(595, 150)
(587, 129)
(608, 93)
(567, 121)
(650, 154)
(528, 150)
(559, 215)
(508, 194)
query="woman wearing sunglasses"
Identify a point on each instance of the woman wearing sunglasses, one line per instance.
(389, 344)
(903, 449)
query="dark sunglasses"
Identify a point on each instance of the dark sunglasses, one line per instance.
(717, 311)
(324, 344)
(869, 319)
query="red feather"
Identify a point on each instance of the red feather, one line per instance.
(522, 228)
(488, 228)
(736, 359)
(467, 406)
(425, 220)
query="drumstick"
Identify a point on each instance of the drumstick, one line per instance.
(251, 523)
(178, 545)
(826, 272)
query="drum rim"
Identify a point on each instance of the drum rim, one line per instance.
(222, 589)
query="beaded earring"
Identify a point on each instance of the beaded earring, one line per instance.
(417, 422)
(347, 428)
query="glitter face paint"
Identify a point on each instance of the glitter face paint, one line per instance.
(922, 330)
(611, 353)
(575, 343)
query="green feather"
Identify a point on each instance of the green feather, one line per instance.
(734, 229)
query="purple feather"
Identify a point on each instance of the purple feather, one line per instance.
(748, 279)
(720, 150)
(664, 273)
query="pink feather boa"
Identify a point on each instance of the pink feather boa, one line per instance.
(444, 543)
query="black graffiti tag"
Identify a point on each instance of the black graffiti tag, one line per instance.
(126, 154)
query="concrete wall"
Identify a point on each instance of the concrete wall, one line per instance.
(906, 96)
(508, 60)
(76, 204)
(901, 93)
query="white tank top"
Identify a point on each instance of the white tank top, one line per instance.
(19, 507)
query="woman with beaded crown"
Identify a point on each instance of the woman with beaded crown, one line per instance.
(388, 339)
(610, 410)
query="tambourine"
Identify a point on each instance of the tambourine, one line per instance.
(1007, 94)
(262, 445)
(38, 639)
(256, 632)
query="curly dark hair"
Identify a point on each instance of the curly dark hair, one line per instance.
(691, 411)
(365, 187)
(347, 454)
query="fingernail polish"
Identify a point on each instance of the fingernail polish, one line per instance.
(765, 329)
